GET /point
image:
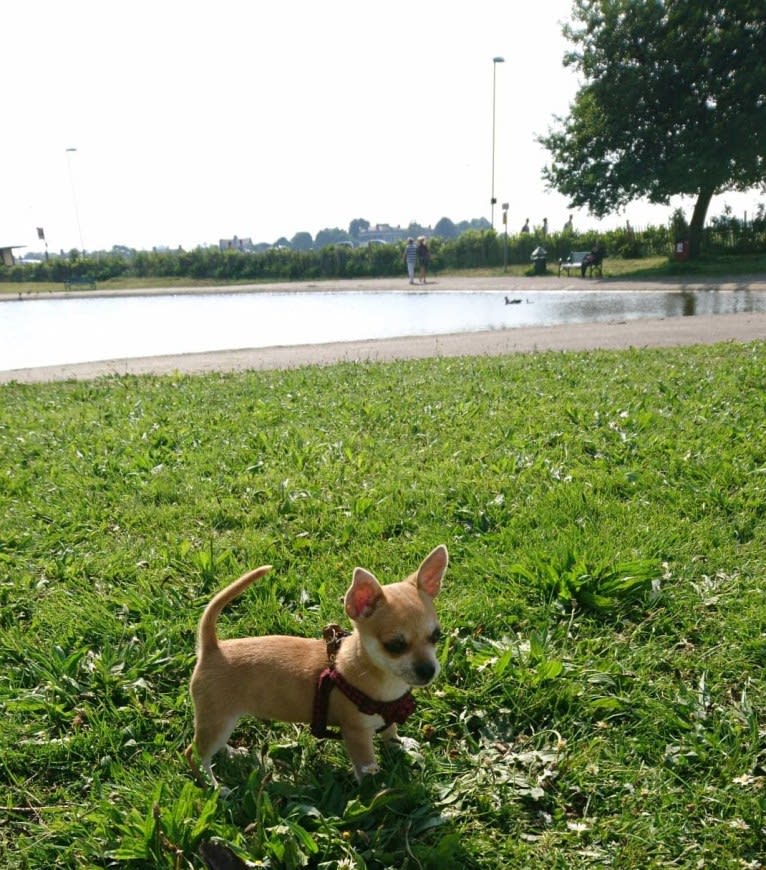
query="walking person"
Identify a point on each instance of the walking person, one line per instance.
(424, 258)
(411, 258)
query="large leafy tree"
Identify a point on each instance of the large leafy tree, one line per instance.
(446, 229)
(672, 101)
(330, 236)
(302, 242)
(356, 226)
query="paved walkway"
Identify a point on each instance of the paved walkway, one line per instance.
(586, 336)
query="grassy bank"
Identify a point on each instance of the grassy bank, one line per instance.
(602, 695)
(646, 268)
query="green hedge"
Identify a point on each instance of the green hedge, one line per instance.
(471, 250)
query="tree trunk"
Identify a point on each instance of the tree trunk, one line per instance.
(698, 221)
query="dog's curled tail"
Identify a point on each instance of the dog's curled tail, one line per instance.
(207, 639)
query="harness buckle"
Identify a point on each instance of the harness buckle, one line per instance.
(333, 634)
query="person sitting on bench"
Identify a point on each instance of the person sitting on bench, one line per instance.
(591, 260)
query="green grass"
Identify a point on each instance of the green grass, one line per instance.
(651, 268)
(711, 266)
(602, 697)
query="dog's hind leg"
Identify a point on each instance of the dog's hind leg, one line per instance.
(209, 737)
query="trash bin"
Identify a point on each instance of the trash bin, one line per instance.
(682, 250)
(539, 263)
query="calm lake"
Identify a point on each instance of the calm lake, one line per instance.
(41, 332)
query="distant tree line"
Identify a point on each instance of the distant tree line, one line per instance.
(471, 249)
(360, 229)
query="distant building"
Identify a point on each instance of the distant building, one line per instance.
(384, 232)
(236, 244)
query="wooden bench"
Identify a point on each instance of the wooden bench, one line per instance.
(575, 261)
(71, 283)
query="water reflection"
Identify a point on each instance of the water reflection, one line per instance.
(41, 332)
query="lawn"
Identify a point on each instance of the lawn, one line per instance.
(602, 697)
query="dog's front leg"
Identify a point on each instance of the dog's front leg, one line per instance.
(390, 734)
(361, 751)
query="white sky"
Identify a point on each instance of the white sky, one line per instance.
(199, 120)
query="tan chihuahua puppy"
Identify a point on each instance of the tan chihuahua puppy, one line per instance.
(360, 682)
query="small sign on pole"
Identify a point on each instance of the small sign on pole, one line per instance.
(41, 236)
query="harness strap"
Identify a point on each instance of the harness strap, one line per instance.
(397, 711)
(321, 706)
(392, 712)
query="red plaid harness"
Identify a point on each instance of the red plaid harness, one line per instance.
(397, 711)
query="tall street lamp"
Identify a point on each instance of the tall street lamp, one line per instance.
(70, 151)
(506, 206)
(492, 201)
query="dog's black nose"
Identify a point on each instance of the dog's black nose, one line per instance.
(425, 671)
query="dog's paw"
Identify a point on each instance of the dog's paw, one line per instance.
(368, 769)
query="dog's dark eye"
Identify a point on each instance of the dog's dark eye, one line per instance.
(436, 636)
(396, 647)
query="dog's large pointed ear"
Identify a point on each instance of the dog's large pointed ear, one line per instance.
(363, 596)
(431, 571)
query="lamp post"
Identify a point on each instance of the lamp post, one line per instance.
(74, 197)
(506, 206)
(492, 201)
